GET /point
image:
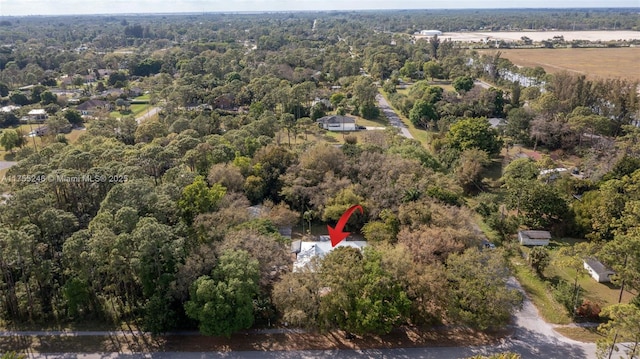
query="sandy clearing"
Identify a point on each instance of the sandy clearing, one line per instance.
(540, 35)
(594, 62)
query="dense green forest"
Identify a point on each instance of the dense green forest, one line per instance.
(148, 221)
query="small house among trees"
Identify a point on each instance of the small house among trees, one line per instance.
(337, 123)
(91, 107)
(38, 115)
(534, 238)
(597, 270)
(305, 251)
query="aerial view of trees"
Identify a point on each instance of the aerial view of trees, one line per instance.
(195, 161)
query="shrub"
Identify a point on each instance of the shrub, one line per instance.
(565, 294)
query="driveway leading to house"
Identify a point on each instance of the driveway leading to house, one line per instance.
(534, 338)
(392, 116)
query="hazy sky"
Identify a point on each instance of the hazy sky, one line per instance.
(56, 7)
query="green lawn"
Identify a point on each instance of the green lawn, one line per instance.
(145, 97)
(136, 110)
(445, 84)
(586, 335)
(494, 170)
(361, 121)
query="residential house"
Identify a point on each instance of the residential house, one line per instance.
(597, 270)
(553, 173)
(305, 251)
(37, 115)
(135, 91)
(225, 102)
(337, 123)
(113, 93)
(534, 238)
(104, 73)
(92, 107)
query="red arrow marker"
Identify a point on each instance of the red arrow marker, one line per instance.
(337, 235)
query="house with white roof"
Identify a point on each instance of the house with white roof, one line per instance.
(337, 123)
(37, 115)
(305, 251)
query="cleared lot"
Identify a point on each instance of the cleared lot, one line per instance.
(593, 62)
(540, 35)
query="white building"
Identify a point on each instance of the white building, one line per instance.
(337, 123)
(430, 32)
(37, 115)
(597, 270)
(553, 173)
(534, 238)
(305, 251)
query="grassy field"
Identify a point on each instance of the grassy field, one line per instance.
(145, 97)
(593, 62)
(586, 335)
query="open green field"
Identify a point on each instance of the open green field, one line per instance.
(445, 84)
(136, 110)
(145, 97)
(593, 62)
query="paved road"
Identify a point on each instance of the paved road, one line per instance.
(150, 113)
(482, 84)
(7, 164)
(393, 117)
(533, 338)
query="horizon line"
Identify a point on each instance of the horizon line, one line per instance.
(257, 12)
